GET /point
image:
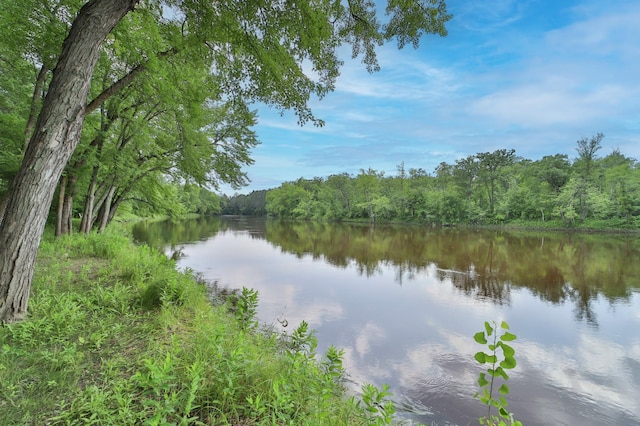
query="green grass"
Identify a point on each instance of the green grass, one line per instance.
(115, 335)
(588, 225)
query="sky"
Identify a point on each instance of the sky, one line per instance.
(531, 75)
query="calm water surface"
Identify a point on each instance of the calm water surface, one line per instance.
(404, 303)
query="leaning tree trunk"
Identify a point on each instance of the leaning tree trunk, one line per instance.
(54, 139)
(97, 206)
(105, 212)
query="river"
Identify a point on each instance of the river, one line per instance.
(404, 302)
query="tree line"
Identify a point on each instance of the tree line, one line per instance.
(484, 188)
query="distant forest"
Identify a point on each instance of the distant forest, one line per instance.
(485, 188)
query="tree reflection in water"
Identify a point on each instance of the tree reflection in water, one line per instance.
(557, 267)
(573, 299)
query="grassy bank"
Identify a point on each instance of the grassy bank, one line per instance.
(612, 226)
(115, 335)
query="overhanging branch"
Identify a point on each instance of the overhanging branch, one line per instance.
(121, 83)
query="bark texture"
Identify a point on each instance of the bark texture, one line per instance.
(55, 137)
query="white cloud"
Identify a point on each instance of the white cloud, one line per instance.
(595, 368)
(600, 33)
(405, 75)
(527, 75)
(566, 78)
(370, 333)
(545, 105)
(485, 16)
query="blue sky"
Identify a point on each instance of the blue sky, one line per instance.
(533, 75)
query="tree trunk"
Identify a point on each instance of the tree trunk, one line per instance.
(67, 206)
(62, 187)
(97, 206)
(114, 208)
(90, 199)
(37, 95)
(54, 139)
(105, 212)
(3, 206)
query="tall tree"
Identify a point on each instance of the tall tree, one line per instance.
(138, 45)
(341, 187)
(400, 193)
(32, 32)
(283, 201)
(619, 183)
(553, 170)
(419, 180)
(368, 184)
(258, 49)
(444, 176)
(465, 173)
(54, 139)
(490, 166)
(587, 148)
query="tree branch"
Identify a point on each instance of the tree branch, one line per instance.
(114, 88)
(121, 83)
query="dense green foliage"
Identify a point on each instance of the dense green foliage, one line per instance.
(167, 119)
(485, 188)
(159, 129)
(253, 204)
(116, 335)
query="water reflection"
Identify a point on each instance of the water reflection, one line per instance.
(559, 267)
(573, 299)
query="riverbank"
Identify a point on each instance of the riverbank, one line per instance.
(116, 335)
(607, 226)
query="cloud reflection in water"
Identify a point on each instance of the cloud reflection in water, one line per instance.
(406, 317)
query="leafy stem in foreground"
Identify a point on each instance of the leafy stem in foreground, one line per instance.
(490, 338)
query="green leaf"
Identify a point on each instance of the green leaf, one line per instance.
(479, 338)
(481, 357)
(482, 380)
(488, 327)
(504, 389)
(504, 412)
(504, 325)
(507, 337)
(508, 363)
(507, 350)
(490, 358)
(500, 372)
